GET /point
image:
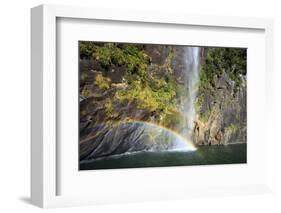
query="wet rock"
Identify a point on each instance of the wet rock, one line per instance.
(108, 140)
(225, 114)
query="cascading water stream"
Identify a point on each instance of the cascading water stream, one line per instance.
(192, 66)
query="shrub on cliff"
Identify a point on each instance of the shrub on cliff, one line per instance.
(102, 82)
(231, 61)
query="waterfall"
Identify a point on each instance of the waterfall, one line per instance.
(192, 66)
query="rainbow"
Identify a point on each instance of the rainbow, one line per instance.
(183, 143)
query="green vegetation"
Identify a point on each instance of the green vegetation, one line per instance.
(219, 61)
(108, 107)
(199, 103)
(232, 127)
(85, 92)
(102, 82)
(169, 61)
(87, 48)
(159, 95)
(156, 95)
(204, 117)
(232, 61)
(112, 54)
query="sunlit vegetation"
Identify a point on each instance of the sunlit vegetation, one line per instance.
(158, 100)
(109, 107)
(159, 95)
(152, 94)
(102, 82)
(85, 92)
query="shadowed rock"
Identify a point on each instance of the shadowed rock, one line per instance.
(110, 140)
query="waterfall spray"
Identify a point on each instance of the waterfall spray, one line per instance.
(192, 64)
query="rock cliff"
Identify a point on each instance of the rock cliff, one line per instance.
(221, 100)
(133, 98)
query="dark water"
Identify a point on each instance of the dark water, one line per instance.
(204, 155)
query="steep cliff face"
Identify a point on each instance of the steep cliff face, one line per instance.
(144, 88)
(131, 102)
(222, 117)
(135, 98)
(107, 140)
(221, 101)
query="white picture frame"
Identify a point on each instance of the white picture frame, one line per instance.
(44, 154)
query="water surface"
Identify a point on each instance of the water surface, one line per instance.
(204, 155)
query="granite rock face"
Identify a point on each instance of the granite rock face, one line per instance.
(225, 114)
(130, 137)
